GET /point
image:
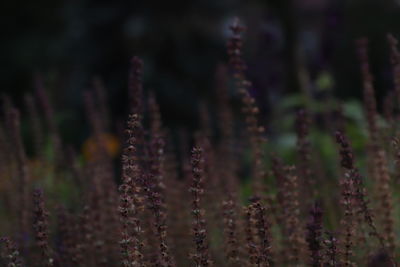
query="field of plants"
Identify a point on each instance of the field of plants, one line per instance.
(317, 184)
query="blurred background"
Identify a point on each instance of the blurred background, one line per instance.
(292, 48)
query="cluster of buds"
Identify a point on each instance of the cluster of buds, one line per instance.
(314, 235)
(331, 245)
(40, 225)
(201, 256)
(11, 253)
(230, 231)
(346, 153)
(249, 107)
(257, 234)
(130, 199)
(354, 188)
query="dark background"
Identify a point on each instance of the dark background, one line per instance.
(69, 42)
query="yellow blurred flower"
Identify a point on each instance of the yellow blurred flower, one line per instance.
(91, 147)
